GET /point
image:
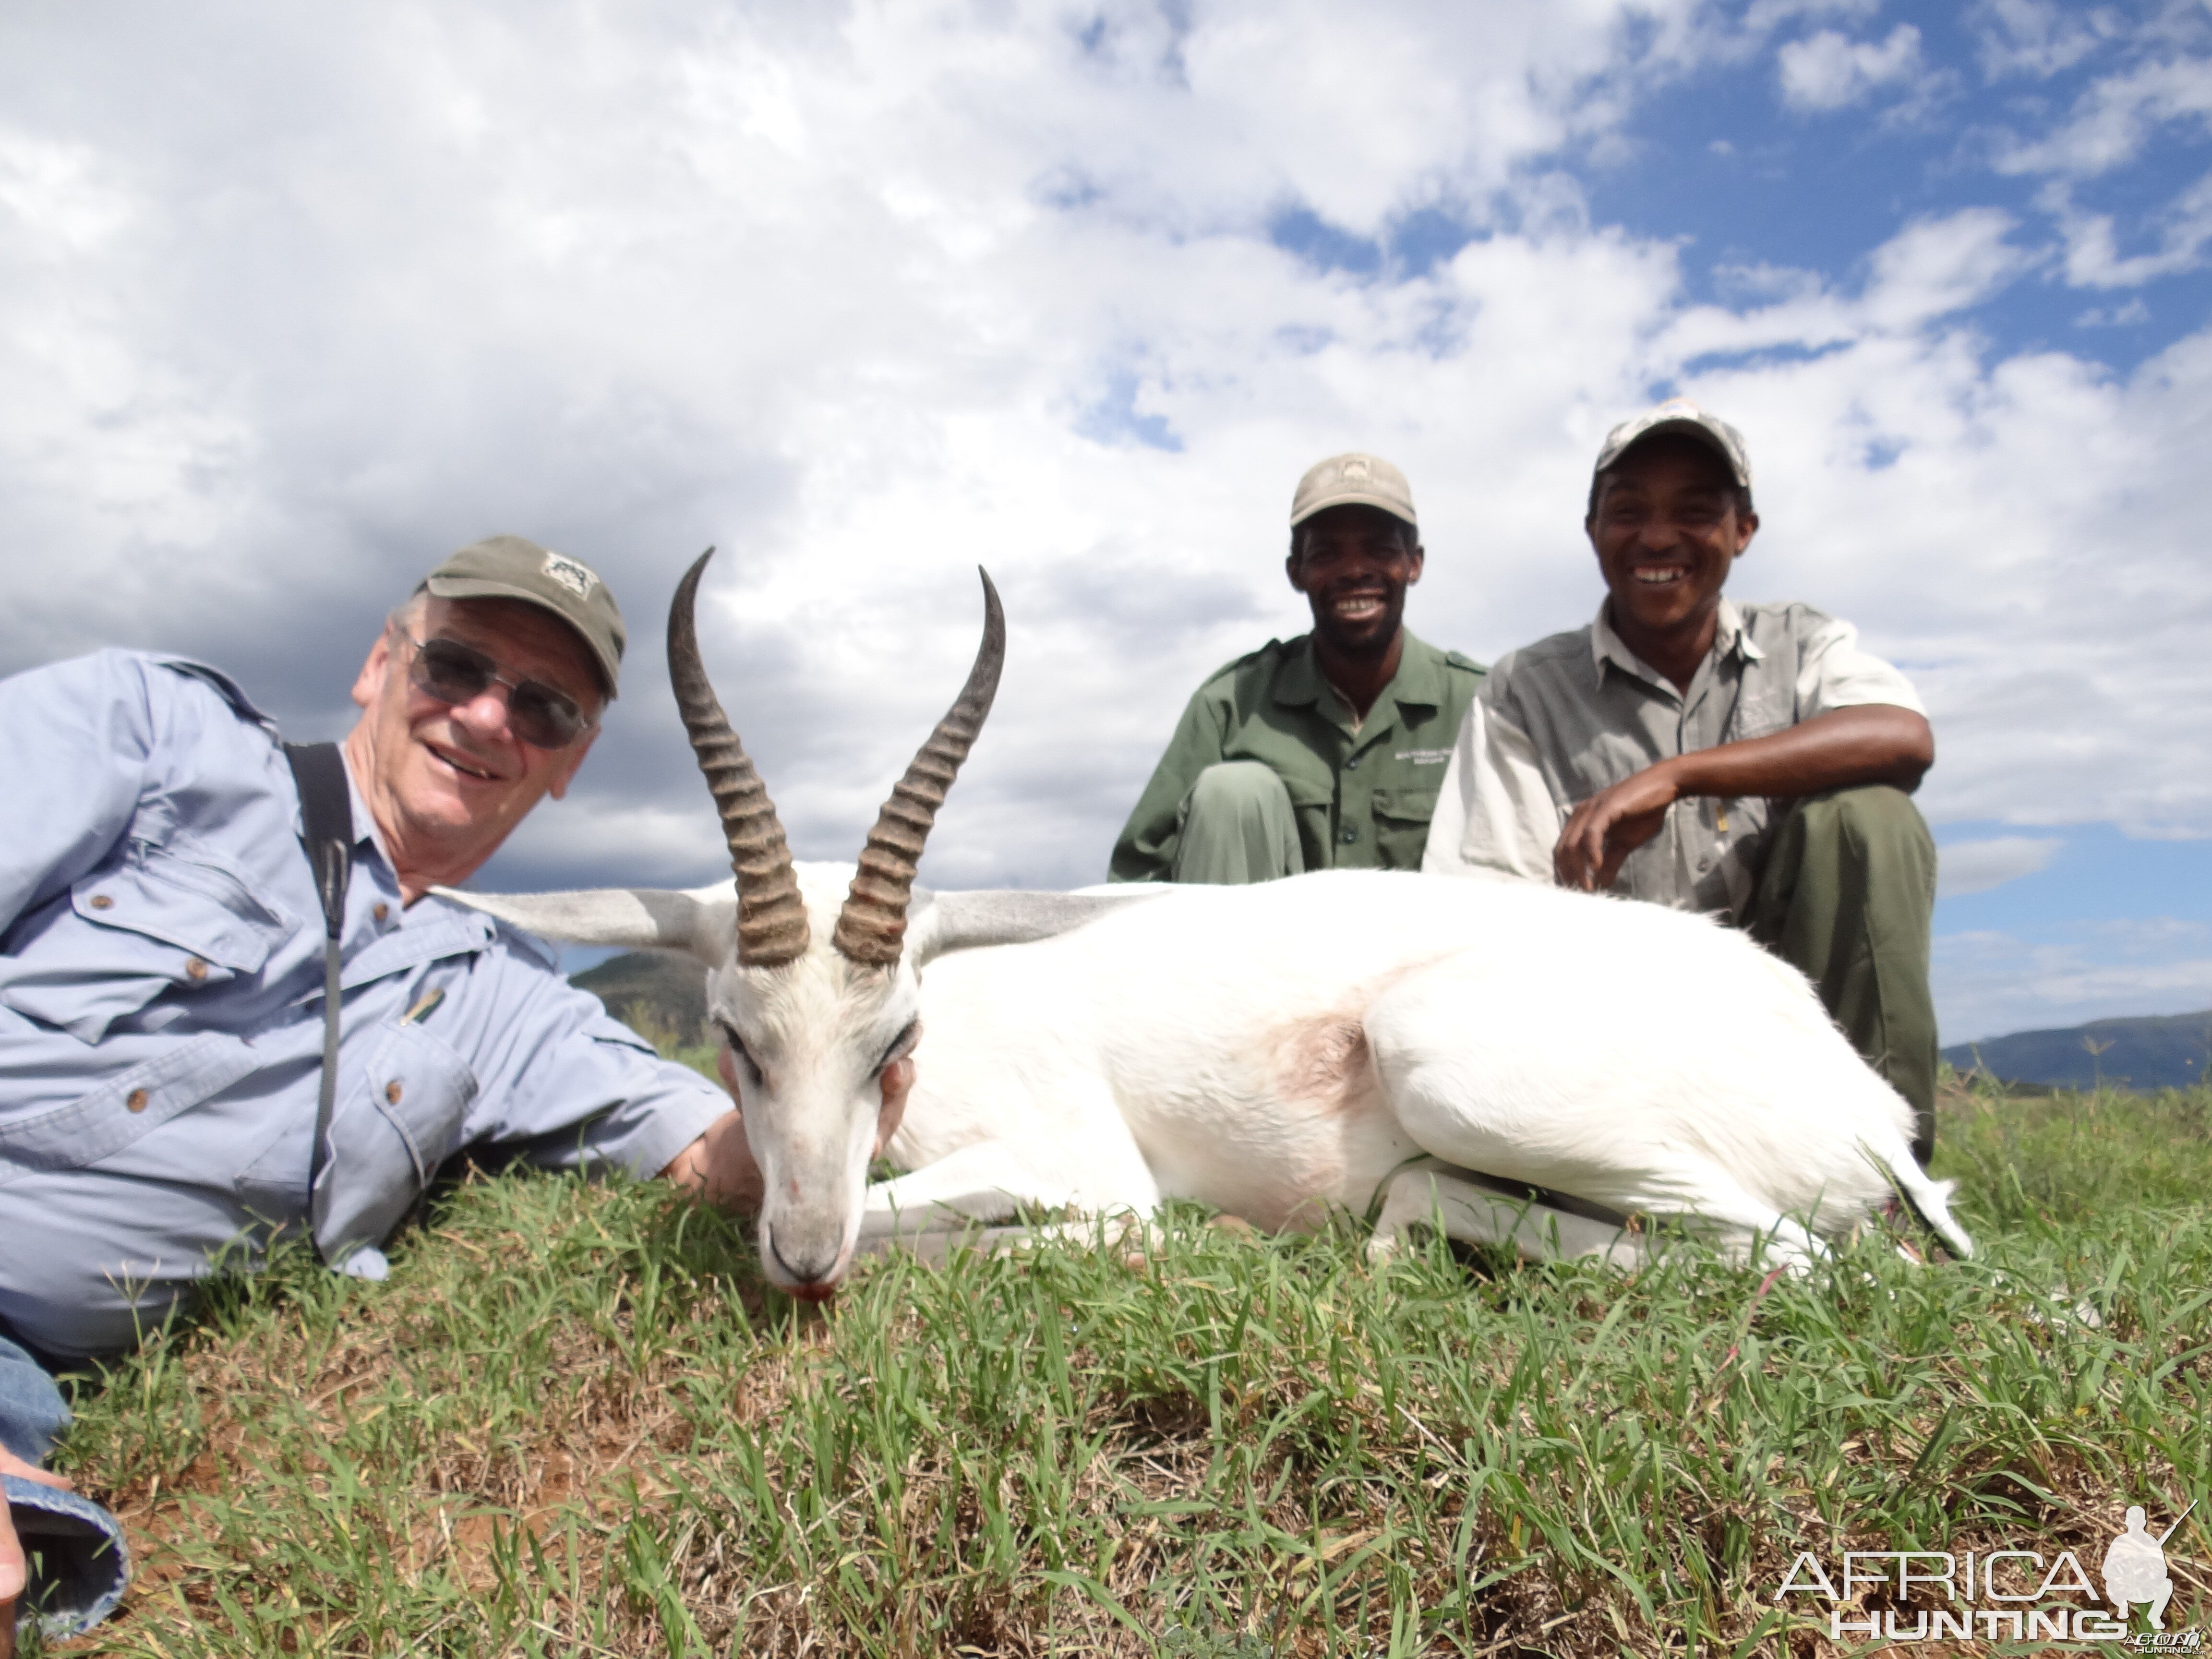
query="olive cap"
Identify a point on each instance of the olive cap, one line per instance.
(1353, 481)
(1680, 414)
(515, 568)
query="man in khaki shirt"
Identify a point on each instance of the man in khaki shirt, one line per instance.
(1748, 762)
(1326, 752)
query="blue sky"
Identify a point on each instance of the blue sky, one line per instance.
(868, 294)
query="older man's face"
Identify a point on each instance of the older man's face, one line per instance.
(448, 781)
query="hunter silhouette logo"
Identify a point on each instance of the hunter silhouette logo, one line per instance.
(2135, 1568)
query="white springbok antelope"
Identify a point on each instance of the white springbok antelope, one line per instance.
(1272, 1050)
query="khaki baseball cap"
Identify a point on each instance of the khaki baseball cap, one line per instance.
(1680, 414)
(1353, 481)
(512, 568)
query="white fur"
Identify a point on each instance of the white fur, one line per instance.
(1279, 1049)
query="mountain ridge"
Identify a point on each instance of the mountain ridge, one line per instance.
(2139, 1051)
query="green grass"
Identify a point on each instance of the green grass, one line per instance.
(575, 1421)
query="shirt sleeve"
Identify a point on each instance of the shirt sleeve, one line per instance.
(1833, 672)
(1146, 849)
(568, 1087)
(1495, 811)
(77, 744)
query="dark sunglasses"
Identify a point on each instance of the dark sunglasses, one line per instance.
(453, 672)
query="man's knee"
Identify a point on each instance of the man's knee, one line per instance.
(95, 1326)
(1239, 790)
(1237, 826)
(1877, 822)
(108, 1260)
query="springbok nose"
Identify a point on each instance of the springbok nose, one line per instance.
(809, 1272)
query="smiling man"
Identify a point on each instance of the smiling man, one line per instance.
(162, 976)
(1749, 761)
(1324, 751)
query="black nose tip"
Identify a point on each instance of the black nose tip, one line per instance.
(810, 1275)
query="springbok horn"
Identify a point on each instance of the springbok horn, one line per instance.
(872, 927)
(771, 916)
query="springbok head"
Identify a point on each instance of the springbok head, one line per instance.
(814, 993)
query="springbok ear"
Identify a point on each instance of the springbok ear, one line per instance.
(701, 923)
(968, 921)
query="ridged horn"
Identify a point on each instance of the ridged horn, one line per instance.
(872, 927)
(771, 916)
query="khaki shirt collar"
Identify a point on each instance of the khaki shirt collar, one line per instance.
(1730, 638)
(1419, 679)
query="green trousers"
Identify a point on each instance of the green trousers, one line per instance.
(1845, 897)
(1236, 825)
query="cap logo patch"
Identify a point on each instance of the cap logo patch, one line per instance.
(1355, 470)
(576, 578)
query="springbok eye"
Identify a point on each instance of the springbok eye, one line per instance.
(903, 1044)
(737, 1047)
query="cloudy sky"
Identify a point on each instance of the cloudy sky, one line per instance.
(292, 301)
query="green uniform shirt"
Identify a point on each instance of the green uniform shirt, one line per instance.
(1363, 799)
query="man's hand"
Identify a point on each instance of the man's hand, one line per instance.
(1873, 743)
(13, 1570)
(718, 1167)
(1611, 824)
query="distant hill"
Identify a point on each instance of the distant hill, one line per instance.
(671, 990)
(2160, 1051)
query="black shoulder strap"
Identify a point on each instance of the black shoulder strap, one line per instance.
(326, 811)
(326, 817)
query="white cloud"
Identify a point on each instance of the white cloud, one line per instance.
(1929, 269)
(1829, 70)
(2130, 315)
(2115, 116)
(1763, 16)
(56, 194)
(2093, 257)
(1937, 266)
(2039, 37)
(1976, 866)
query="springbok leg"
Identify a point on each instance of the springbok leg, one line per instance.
(936, 1245)
(988, 1181)
(1475, 1215)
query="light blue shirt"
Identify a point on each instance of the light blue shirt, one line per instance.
(161, 1008)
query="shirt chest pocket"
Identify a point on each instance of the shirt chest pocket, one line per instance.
(397, 1121)
(1761, 715)
(144, 925)
(1402, 812)
(420, 1089)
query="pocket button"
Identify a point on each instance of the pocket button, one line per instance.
(102, 901)
(196, 970)
(136, 1101)
(393, 1091)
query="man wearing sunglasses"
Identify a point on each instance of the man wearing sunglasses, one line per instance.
(161, 975)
